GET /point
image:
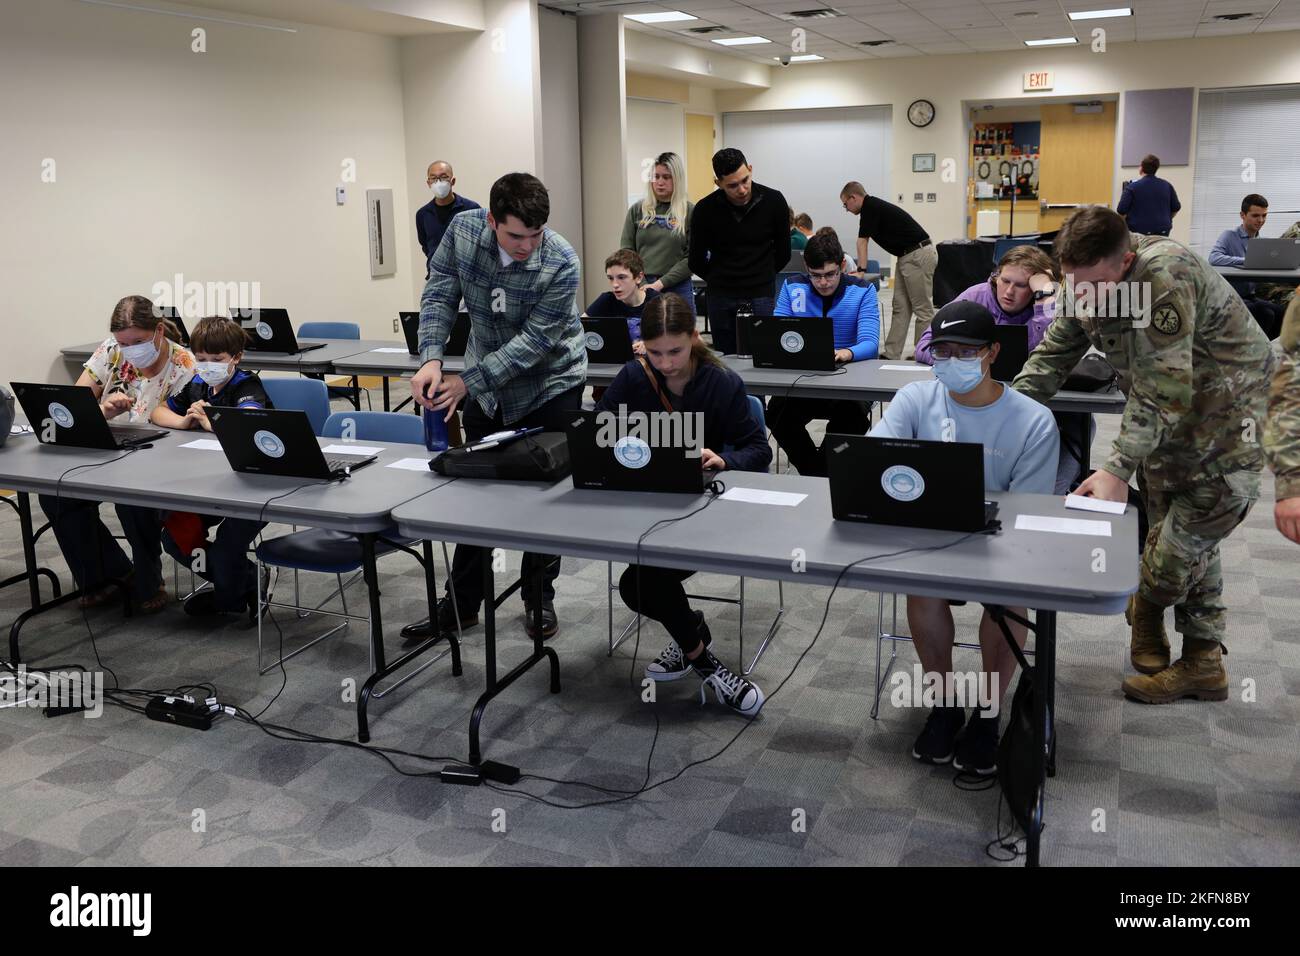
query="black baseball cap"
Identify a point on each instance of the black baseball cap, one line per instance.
(963, 322)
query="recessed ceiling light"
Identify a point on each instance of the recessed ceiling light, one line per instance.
(672, 16)
(803, 58)
(1101, 14)
(1054, 41)
(742, 41)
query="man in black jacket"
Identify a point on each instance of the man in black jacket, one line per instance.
(740, 240)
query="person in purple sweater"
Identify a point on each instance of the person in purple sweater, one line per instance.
(1021, 291)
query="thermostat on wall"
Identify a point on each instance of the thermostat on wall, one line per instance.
(340, 195)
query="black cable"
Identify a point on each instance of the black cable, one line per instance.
(628, 795)
(785, 399)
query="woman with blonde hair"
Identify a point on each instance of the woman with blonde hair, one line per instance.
(658, 229)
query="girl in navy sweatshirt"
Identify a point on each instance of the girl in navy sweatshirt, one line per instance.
(680, 373)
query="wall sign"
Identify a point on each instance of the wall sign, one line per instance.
(1039, 80)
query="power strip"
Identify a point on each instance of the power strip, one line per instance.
(180, 711)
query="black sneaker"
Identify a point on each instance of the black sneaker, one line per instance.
(741, 695)
(935, 744)
(977, 751)
(203, 604)
(672, 663)
(550, 623)
(423, 630)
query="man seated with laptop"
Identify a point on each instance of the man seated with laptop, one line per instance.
(963, 403)
(853, 309)
(626, 297)
(1021, 294)
(1232, 248)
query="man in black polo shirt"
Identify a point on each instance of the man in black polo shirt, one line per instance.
(740, 239)
(903, 238)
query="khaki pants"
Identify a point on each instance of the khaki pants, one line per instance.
(913, 295)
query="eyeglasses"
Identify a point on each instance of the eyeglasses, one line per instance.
(824, 276)
(440, 179)
(957, 351)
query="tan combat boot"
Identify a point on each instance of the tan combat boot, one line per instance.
(1149, 646)
(1198, 673)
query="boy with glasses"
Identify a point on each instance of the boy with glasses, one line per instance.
(851, 305)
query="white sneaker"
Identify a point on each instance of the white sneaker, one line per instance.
(741, 695)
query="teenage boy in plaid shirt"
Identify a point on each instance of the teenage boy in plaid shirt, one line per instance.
(525, 361)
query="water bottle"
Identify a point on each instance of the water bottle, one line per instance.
(435, 430)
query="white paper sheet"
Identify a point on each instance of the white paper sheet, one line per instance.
(905, 368)
(352, 449)
(1100, 529)
(1080, 503)
(393, 351)
(410, 464)
(206, 444)
(756, 496)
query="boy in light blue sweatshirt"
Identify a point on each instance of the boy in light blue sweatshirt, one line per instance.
(964, 403)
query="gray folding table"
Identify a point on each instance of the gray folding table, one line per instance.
(172, 478)
(1046, 571)
(1282, 276)
(315, 362)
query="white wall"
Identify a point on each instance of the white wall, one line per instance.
(560, 166)
(602, 92)
(219, 165)
(947, 81)
(473, 100)
(652, 128)
(810, 154)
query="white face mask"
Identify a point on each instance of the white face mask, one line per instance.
(142, 355)
(213, 373)
(442, 189)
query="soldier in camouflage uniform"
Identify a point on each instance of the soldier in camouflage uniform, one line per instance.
(1282, 433)
(1195, 366)
(1280, 293)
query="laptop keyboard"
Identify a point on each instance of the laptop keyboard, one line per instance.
(336, 463)
(133, 432)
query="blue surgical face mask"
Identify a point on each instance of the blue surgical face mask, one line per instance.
(213, 373)
(959, 376)
(141, 355)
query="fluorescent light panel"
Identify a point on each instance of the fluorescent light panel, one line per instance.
(742, 41)
(672, 16)
(802, 58)
(1054, 41)
(1101, 14)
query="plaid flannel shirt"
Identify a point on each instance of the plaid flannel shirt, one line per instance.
(526, 343)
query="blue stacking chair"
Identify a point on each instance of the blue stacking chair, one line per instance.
(336, 330)
(338, 552)
(303, 394)
(758, 411)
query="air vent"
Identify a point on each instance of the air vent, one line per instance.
(701, 30)
(874, 42)
(822, 13)
(1230, 17)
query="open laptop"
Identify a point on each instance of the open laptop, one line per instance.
(269, 331)
(264, 441)
(629, 462)
(802, 342)
(909, 482)
(77, 418)
(1279, 254)
(608, 340)
(456, 341)
(1014, 353)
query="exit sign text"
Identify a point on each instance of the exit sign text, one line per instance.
(1038, 81)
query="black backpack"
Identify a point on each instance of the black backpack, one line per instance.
(1016, 771)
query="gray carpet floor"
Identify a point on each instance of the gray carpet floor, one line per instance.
(815, 780)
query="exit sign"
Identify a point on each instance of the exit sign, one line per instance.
(1038, 81)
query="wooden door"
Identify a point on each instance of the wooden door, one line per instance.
(1077, 162)
(699, 155)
